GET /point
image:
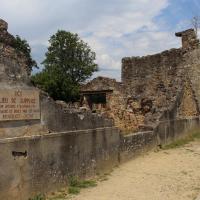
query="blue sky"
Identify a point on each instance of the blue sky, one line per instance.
(113, 28)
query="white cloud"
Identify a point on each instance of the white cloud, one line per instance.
(136, 15)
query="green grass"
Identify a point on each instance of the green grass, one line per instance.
(74, 190)
(181, 142)
(38, 197)
(60, 196)
(76, 185)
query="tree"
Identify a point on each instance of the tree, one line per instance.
(69, 61)
(22, 46)
(195, 21)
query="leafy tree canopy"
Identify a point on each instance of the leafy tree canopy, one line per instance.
(69, 61)
(22, 46)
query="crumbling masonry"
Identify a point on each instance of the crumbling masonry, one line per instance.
(153, 88)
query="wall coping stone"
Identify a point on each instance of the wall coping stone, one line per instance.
(52, 135)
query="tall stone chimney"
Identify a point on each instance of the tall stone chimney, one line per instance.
(189, 39)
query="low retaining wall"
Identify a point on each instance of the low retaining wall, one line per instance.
(135, 144)
(57, 120)
(167, 131)
(39, 164)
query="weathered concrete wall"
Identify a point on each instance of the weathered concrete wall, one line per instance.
(135, 144)
(39, 164)
(57, 120)
(166, 132)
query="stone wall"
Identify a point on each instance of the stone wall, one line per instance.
(102, 83)
(168, 81)
(139, 72)
(13, 64)
(155, 80)
(188, 105)
(192, 66)
(119, 106)
(189, 39)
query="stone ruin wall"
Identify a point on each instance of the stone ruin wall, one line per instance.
(151, 85)
(188, 106)
(117, 104)
(168, 80)
(153, 81)
(192, 65)
(139, 72)
(156, 87)
(13, 68)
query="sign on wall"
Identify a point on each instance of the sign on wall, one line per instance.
(19, 105)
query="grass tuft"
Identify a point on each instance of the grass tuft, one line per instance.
(58, 197)
(38, 197)
(181, 142)
(73, 190)
(75, 185)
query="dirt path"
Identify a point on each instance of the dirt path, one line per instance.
(165, 175)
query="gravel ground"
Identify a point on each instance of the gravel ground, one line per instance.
(172, 174)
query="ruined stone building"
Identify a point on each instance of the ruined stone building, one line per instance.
(45, 142)
(153, 88)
